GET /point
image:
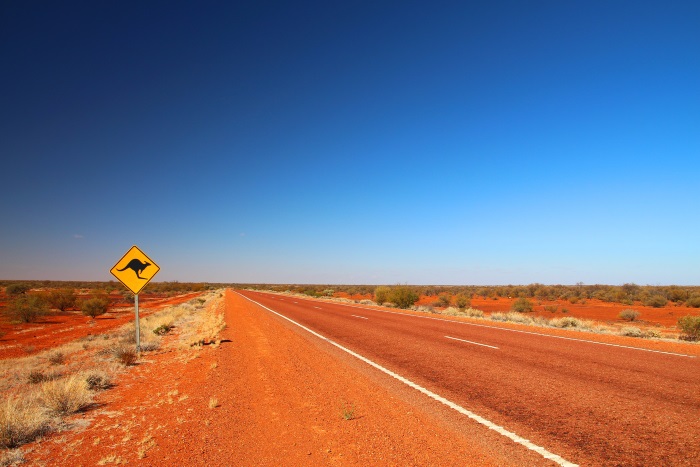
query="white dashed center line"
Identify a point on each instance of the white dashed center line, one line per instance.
(358, 316)
(471, 342)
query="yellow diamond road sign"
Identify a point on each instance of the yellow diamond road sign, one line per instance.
(135, 269)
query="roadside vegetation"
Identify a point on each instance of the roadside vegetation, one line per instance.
(41, 390)
(627, 294)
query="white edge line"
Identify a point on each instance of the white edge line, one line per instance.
(472, 342)
(477, 418)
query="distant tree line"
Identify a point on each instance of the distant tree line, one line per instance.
(627, 294)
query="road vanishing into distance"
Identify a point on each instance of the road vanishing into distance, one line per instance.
(574, 401)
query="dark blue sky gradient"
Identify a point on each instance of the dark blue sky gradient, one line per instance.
(362, 142)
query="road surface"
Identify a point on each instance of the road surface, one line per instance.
(578, 401)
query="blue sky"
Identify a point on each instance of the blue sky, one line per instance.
(352, 142)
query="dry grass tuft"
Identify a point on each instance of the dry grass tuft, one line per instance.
(21, 421)
(57, 358)
(126, 355)
(11, 457)
(213, 402)
(113, 459)
(97, 380)
(66, 396)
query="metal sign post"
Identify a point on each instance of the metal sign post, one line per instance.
(138, 328)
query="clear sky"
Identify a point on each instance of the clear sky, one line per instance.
(432, 142)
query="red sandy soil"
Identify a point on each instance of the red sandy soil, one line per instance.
(279, 401)
(56, 328)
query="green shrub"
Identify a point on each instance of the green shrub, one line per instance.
(522, 305)
(17, 289)
(690, 325)
(693, 302)
(462, 301)
(94, 307)
(551, 308)
(163, 329)
(62, 299)
(629, 315)
(27, 308)
(656, 301)
(443, 301)
(403, 296)
(381, 294)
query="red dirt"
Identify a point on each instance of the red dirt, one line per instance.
(280, 395)
(57, 328)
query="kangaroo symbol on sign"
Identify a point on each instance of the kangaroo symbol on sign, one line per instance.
(137, 266)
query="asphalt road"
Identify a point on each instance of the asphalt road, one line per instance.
(589, 403)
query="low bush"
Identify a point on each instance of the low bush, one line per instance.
(443, 301)
(36, 377)
(565, 322)
(57, 358)
(462, 301)
(474, 313)
(629, 315)
(693, 302)
(381, 294)
(27, 308)
(656, 301)
(97, 380)
(516, 317)
(163, 329)
(551, 308)
(452, 311)
(522, 305)
(66, 396)
(403, 296)
(149, 346)
(17, 289)
(126, 355)
(62, 299)
(690, 326)
(631, 331)
(94, 307)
